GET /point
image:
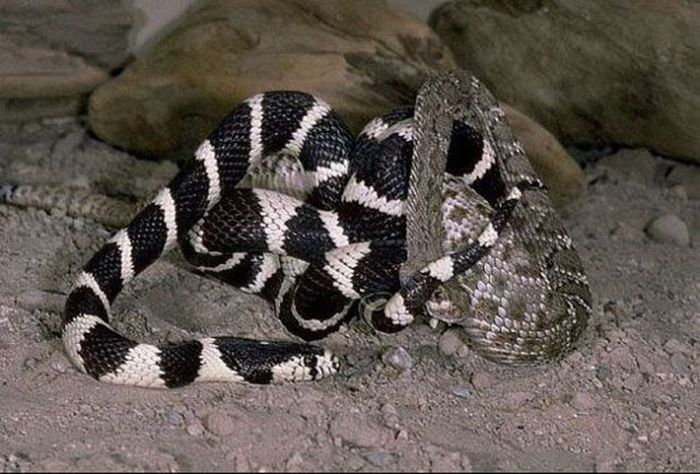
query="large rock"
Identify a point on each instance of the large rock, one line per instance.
(359, 55)
(96, 31)
(54, 52)
(39, 82)
(589, 71)
(27, 73)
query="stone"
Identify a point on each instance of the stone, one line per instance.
(583, 401)
(669, 228)
(32, 300)
(194, 428)
(53, 53)
(515, 400)
(359, 431)
(482, 380)
(30, 73)
(680, 364)
(590, 72)
(24, 110)
(680, 192)
(687, 176)
(37, 82)
(633, 381)
(174, 418)
(59, 366)
(295, 462)
(621, 357)
(97, 31)
(636, 164)
(398, 358)
(449, 462)
(462, 391)
(380, 458)
(450, 342)
(674, 346)
(219, 423)
(361, 56)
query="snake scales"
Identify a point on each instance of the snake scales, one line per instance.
(283, 202)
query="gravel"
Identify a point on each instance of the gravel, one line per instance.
(625, 399)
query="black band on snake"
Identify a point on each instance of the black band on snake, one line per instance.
(281, 201)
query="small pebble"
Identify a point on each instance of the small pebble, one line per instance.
(398, 358)
(633, 381)
(67, 144)
(575, 358)
(446, 462)
(173, 418)
(59, 366)
(78, 224)
(669, 228)
(646, 367)
(357, 430)
(380, 458)
(194, 428)
(389, 409)
(295, 461)
(515, 400)
(450, 342)
(219, 424)
(622, 357)
(583, 401)
(674, 346)
(462, 391)
(40, 300)
(680, 364)
(354, 463)
(680, 192)
(482, 380)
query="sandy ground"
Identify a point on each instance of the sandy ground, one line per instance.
(628, 399)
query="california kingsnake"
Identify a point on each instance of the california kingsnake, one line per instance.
(329, 231)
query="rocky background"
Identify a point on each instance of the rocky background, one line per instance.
(605, 97)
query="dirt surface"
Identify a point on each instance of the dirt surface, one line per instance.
(627, 399)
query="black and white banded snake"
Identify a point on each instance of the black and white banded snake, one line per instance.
(282, 201)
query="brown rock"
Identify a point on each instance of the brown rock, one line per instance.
(556, 167)
(40, 82)
(32, 73)
(23, 110)
(594, 71)
(360, 56)
(669, 228)
(358, 430)
(219, 423)
(97, 30)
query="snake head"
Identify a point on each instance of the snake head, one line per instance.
(446, 304)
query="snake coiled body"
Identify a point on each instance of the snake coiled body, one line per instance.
(282, 201)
